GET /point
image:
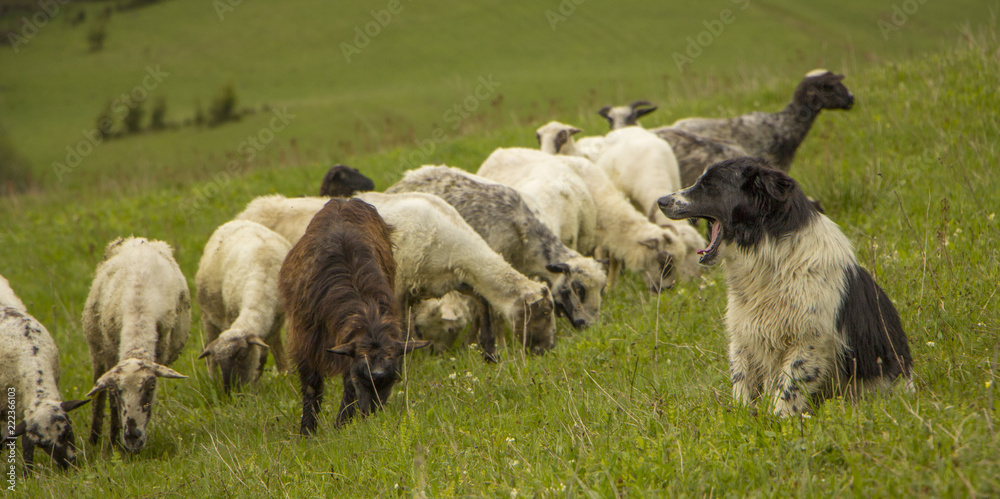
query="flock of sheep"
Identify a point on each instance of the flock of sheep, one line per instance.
(533, 235)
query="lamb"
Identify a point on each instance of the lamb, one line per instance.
(337, 282)
(136, 320)
(643, 167)
(621, 231)
(8, 298)
(508, 225)
(29, 370)
(776, 136)
(437, 252)
(237, 284)
(440, 320)
(623, 116)
(344, 181)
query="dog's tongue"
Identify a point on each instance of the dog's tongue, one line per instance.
(716, 227)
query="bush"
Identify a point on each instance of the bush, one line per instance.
(133, 118)
(105, 121)
(157, 119)
(96, 36)
(223, 106)
(199, 114)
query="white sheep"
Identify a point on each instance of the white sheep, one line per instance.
(286, 216)
(136, 320)
(622, 232)
(643, 167)
(29, 371)
(623, 116)
(241, 313)
(441, 320)
(8, 298)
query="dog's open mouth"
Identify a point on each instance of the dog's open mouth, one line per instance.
(708, 254)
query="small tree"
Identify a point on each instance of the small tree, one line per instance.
(199, 114)
(96, 36)
(133, 118)
(157, 119)
(223, 107)
(105, 121)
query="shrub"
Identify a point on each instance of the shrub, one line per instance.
(223, 106)
(133, 118)
(106, 121)
(96, 36)
(157, 118)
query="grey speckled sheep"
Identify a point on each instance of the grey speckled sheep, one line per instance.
(499, 214)
(776, 136)
(241, 313)
(29, 366)
(136, 319)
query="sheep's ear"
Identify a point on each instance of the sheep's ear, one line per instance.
(639, 113)
(574, 130)
(412, 345)
(650, 243)
(69, 405)
(557, 268)
(255, 340)
(103, 382)
(604, 112)
(347, 349)
(209, 349)
(605, 262)
(162, 371)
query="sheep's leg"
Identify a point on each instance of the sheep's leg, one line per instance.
(28, 453)
(97, 408)
(805, 369)
(745, 373)
(349, 404)
(116, 420)
(614, 271)
(312, 396)
(487, 338)
(211, 333)
(277, 348)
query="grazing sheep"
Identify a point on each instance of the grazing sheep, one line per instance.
(286, 216)
(343, 318)
(776, 136)
(558, 195)
(29, 366)
(439, 252)
(237, 284)
(622, 232)
(623, 116)
(695, 153)
(441, 320)
(508, 225)
(136, 319)
(643, 167)
(344, 181)
(8, 298)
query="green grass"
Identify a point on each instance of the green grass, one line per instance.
(638, 405)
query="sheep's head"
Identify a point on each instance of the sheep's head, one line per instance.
(577, 286)
(48, 427)
(821, 89)
(534, 323)
(344, 181)
(657, 259)
(556, 138)
(375, 355)
(623, 116)
(440, 320)
(240, 356)
(132, 386)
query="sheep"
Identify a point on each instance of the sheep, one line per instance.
(508, 225)
(343, 319)
(29, 371)
(437, 252)
(289, 217)
(237, 283)
(559, 197)
(136, 320)
(776, 136)
(643, 167)
(344, 181)
(8, 298)
(627, 236)
(442, 319)
(623, 116)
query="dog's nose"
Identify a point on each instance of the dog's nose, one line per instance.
(665, 202)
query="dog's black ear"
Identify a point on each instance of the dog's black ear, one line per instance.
(775, 183)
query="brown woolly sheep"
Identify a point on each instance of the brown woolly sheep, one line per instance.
(337, 285)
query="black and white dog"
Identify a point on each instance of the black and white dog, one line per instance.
(805, 321)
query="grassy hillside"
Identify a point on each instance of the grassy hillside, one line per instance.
(637, 405)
